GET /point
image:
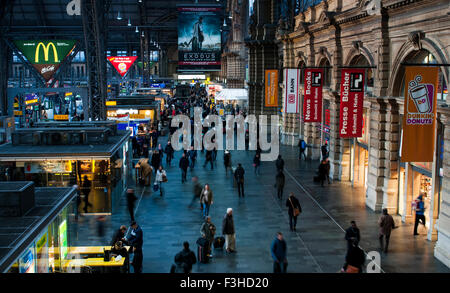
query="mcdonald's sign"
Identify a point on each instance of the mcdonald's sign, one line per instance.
(46, 55)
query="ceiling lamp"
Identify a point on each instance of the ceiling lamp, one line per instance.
(224, 23)
(118, 16)
(129, 22)
(136, 30)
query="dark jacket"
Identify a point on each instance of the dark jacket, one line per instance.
(198, 189)
(322, 171)
(280, 178)
(203, 197)
(324, 150)
(156, 160)
(208, 155)
(352, 233)
(117, 237)
(239, 173)
(184, 163)
(228, 225)
(257, 160)
(295, 203)
(136, 239)
(169, 150)
(192, 154)
(185, 258)
(227, 160)
(355, 257)
(279, 163)
(209, 230)
(131, 198)
(86, 187)
(278, 250)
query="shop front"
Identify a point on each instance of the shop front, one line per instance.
(360, 155)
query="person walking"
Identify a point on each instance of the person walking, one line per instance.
(131, 198)
(160, 178)
(86, 188)
(322, 171)
(239, 175)
(278, 249)
(279, 163)
(197, 191)
(206, 199)
(386, 223)
(156, 161)
(146, 171)
(169, 153)
(228, 231)
(185, 258)
(78, 191)
(257, 163)
(208, 158)
(420, 213)
(227, 161)
(302, 148)
(136, 241)
(325, 151)
(354, 259)
(184, 164)
(208, 230)
(294, 210)
(279, 184)
(352, 234)
(327, 170)
(192, 157)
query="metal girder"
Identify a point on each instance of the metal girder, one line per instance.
(5, 55)
(145, 55)
(65, 63)
(95, 35)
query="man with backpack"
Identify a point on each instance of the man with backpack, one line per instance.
(208, 230)
(184, 260)
(302, 146)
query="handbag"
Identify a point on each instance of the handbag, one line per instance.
(164, 178)
(155, 187)
(296, 211)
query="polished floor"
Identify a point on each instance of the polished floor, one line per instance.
(317, 246)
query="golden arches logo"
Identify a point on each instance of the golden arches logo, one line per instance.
(46, 49)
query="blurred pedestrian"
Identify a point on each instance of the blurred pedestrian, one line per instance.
(184, 164)
(294, 210)
(228, 231)
(279, 163)
(208, 230)
(278, 250)
(136, 241)
(86, 188)
(227, 161)
(239, 176)
(206, 198)
(131, 198)
(386, 223)
(257, 163)
(161, 177)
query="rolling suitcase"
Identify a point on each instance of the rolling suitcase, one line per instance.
(219, 242)
(202, 250)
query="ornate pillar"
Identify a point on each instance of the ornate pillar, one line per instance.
(442, 248)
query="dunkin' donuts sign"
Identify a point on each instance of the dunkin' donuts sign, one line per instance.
(419, 119)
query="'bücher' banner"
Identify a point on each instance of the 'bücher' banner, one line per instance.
(291, 79)
(352, 99)
(312, 100)
(271, 79)
(419, 120)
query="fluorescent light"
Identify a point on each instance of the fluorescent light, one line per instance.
(129, 22)
(136, 30)
(118, 16)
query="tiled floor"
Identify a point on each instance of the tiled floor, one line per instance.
(317, 246)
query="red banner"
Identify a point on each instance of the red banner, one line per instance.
(352, 98)
(122, 64)
(312, 101)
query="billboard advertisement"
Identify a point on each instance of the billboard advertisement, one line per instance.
(352, 98)
(45, 55)
(271, 88)
(63, 240)
(312, 99)
(199, 38)
(291, 96)
(42, 262)
(122, 64)
(27, 262)
(419, 119)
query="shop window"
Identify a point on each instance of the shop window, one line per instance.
(327, 72)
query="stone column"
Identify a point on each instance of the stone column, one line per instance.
(442, 249)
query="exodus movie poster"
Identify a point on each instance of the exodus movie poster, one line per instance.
(199, 38)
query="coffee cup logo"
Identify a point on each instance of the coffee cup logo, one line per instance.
(420, 95)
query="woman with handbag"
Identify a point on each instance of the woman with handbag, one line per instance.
(161, 177)
(294, 209)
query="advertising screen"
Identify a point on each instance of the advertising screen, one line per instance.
(199, 38)
(27, 261)
(122, 64)
(63, 239)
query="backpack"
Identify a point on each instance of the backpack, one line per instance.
(303, 144)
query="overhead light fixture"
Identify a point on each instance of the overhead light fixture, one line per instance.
(136, 30)
(142, 34)
(118, 16)
(140, 1)
(224, 22)
(129, 22)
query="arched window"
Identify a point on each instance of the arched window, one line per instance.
(327, 71)
(425, 57)
(301, 65)
(362, 61)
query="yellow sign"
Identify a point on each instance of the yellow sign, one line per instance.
(137, 116)
(16, 105)
(46, 48)
(111, 103)
(61, 117)
(31, 101)
(221, 111)
(271, 88)
(18, 113)
(68, 94)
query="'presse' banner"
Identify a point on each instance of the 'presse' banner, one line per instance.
(352, 99)
(312, 100)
